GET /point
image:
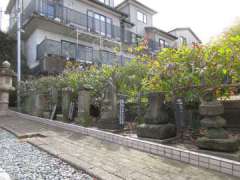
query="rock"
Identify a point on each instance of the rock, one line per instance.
(224, 145)
(213, 122)
(163, 131)
(213, 108)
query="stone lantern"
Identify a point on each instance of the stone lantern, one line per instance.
(6, 75)
(215, 137)
(156, 120)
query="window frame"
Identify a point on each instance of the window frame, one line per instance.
(143, 17)
(103, 31)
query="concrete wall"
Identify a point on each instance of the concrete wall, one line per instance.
(131, 9)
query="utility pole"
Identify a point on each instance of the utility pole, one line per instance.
(19, 28)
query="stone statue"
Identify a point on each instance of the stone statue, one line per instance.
(109, 119)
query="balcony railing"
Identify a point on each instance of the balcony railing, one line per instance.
(81, 53)
(76, 19)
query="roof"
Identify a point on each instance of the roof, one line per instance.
(137, 2)
(188, 29)
(161, 31)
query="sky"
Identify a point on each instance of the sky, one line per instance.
(207, 18)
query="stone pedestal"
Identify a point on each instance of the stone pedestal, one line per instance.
(6, 75)
(66, 101)
(84, 107)
(215, 136)
(156, 120)
(109, 118)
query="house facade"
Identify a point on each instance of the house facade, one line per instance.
(185, 36)
(89, 31)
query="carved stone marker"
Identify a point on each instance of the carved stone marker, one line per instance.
(157, 124)
(66, 101)
(215, 136)
(109, 110)
(6, 75)
(84, 107)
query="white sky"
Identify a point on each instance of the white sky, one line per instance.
(207, 18)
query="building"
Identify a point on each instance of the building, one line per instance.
(185, 36)
(89, 31)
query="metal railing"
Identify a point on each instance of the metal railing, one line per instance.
(70, 50)
(70, 17)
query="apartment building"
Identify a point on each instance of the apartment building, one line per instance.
(89, 31)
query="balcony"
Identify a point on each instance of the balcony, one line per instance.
(61, 51)
(77, 20)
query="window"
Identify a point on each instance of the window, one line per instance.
(108, 2)
(50, 10)
(162, 43)
(183, 41)
(142, 17)
(99, 24)
(109, 27)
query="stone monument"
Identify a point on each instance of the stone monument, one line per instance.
(109, 110)
(215, 137)
(6, 75)
(156, 120)
(66, 102)
(84, 99)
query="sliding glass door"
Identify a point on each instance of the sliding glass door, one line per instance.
(99, 24)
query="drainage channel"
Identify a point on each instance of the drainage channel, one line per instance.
(22, 161)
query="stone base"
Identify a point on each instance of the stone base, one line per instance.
(108, 121)
(59, 117)
(46, 115)
(109, 124)
(84, 119)
(161, 132)
(3, 109)
(222, 145)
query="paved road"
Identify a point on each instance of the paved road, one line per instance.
(106, 160)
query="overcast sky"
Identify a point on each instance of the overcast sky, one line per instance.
(207, 18)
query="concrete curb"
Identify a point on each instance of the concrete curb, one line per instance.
(197, 159)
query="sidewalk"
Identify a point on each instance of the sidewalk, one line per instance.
(103, 159)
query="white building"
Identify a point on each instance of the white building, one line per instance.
(84, 30)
